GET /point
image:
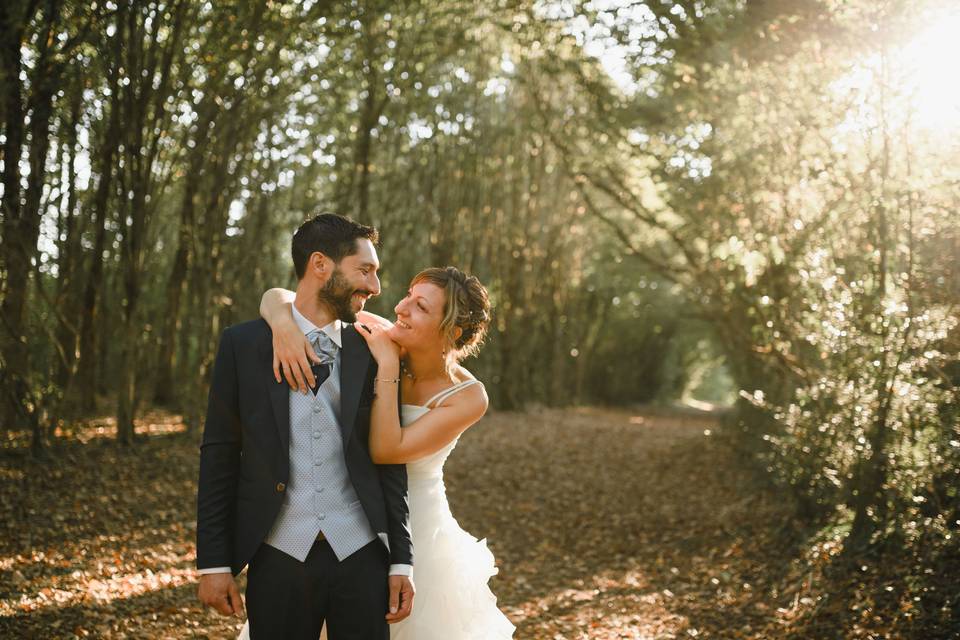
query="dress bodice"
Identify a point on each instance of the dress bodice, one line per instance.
(430, 468)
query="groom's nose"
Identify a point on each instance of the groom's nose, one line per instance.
(373, 281)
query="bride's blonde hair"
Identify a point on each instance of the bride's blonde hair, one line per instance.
(467, 307)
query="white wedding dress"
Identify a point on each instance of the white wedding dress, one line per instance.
(453, 601)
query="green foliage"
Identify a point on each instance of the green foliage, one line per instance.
(668, 201)
(735, 194)
(776, 169)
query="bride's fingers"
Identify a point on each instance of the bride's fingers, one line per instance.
(370, 319)
(276, 367)
(304, 364)
(288, 376)
(308, 349)
(298, 368)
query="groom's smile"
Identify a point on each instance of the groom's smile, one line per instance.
(353, 281)
(360, 298)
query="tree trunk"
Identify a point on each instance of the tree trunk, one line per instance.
(165, 390)
(21, 217)
(12, 269)
(89, 369)
(369, 116)
(149, 64)
(67, 268)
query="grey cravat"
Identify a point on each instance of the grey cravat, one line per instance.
(327, 349)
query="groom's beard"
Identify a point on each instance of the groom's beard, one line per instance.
(336, 294)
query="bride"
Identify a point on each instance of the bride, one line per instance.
(442, 319)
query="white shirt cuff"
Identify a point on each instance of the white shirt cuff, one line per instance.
(395, 570)
(213, 570)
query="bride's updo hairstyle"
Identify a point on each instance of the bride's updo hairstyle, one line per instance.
(467, 307)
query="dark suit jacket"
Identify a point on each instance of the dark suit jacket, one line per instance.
(244, 456)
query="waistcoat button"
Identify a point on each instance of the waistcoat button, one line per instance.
(281, 487)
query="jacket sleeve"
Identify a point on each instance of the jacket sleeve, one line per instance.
(219, 463)
(393, 480)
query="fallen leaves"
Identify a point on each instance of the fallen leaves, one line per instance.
(604, 524)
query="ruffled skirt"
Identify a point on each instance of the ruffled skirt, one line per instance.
(451, 571)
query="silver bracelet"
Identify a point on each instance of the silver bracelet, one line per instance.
(394, 381)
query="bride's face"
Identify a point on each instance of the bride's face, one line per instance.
(419, 315)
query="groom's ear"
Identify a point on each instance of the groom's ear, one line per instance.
(320, 265)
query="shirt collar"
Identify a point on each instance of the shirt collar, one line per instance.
(333, 329)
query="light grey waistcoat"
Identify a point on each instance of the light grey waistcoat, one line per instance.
(319, 495)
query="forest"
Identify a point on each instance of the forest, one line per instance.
(747, 208)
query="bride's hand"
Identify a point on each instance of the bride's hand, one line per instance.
(382, 347)
(370, 319)
(293, 353)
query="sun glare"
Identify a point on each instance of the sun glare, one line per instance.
(928, 66)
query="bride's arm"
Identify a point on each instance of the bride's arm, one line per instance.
(389, 444)
(292, 352)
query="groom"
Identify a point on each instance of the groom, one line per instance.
(286, 481)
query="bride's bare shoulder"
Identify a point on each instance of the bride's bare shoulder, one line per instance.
(461, 374)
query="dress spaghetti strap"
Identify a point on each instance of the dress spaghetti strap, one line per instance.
(449, 391)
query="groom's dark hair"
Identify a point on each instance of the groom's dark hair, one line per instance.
(333, 235)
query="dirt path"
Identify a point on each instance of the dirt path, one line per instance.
(620, 525)
(605, 524)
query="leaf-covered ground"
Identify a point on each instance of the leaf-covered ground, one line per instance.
(605, 524)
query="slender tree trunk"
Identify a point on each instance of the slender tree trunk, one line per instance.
(165, 390)
(373, 106)
(12, 268)
(133, 214)
(69, 274)
(88, 372)
(364, 147)
(22, 218)
(150, 65)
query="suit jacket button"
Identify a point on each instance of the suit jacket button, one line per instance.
(281, 487)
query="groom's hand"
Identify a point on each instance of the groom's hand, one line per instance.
(219, 590)
(401, 598)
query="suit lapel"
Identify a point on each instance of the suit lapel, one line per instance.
(354, 362)
(279, 396)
